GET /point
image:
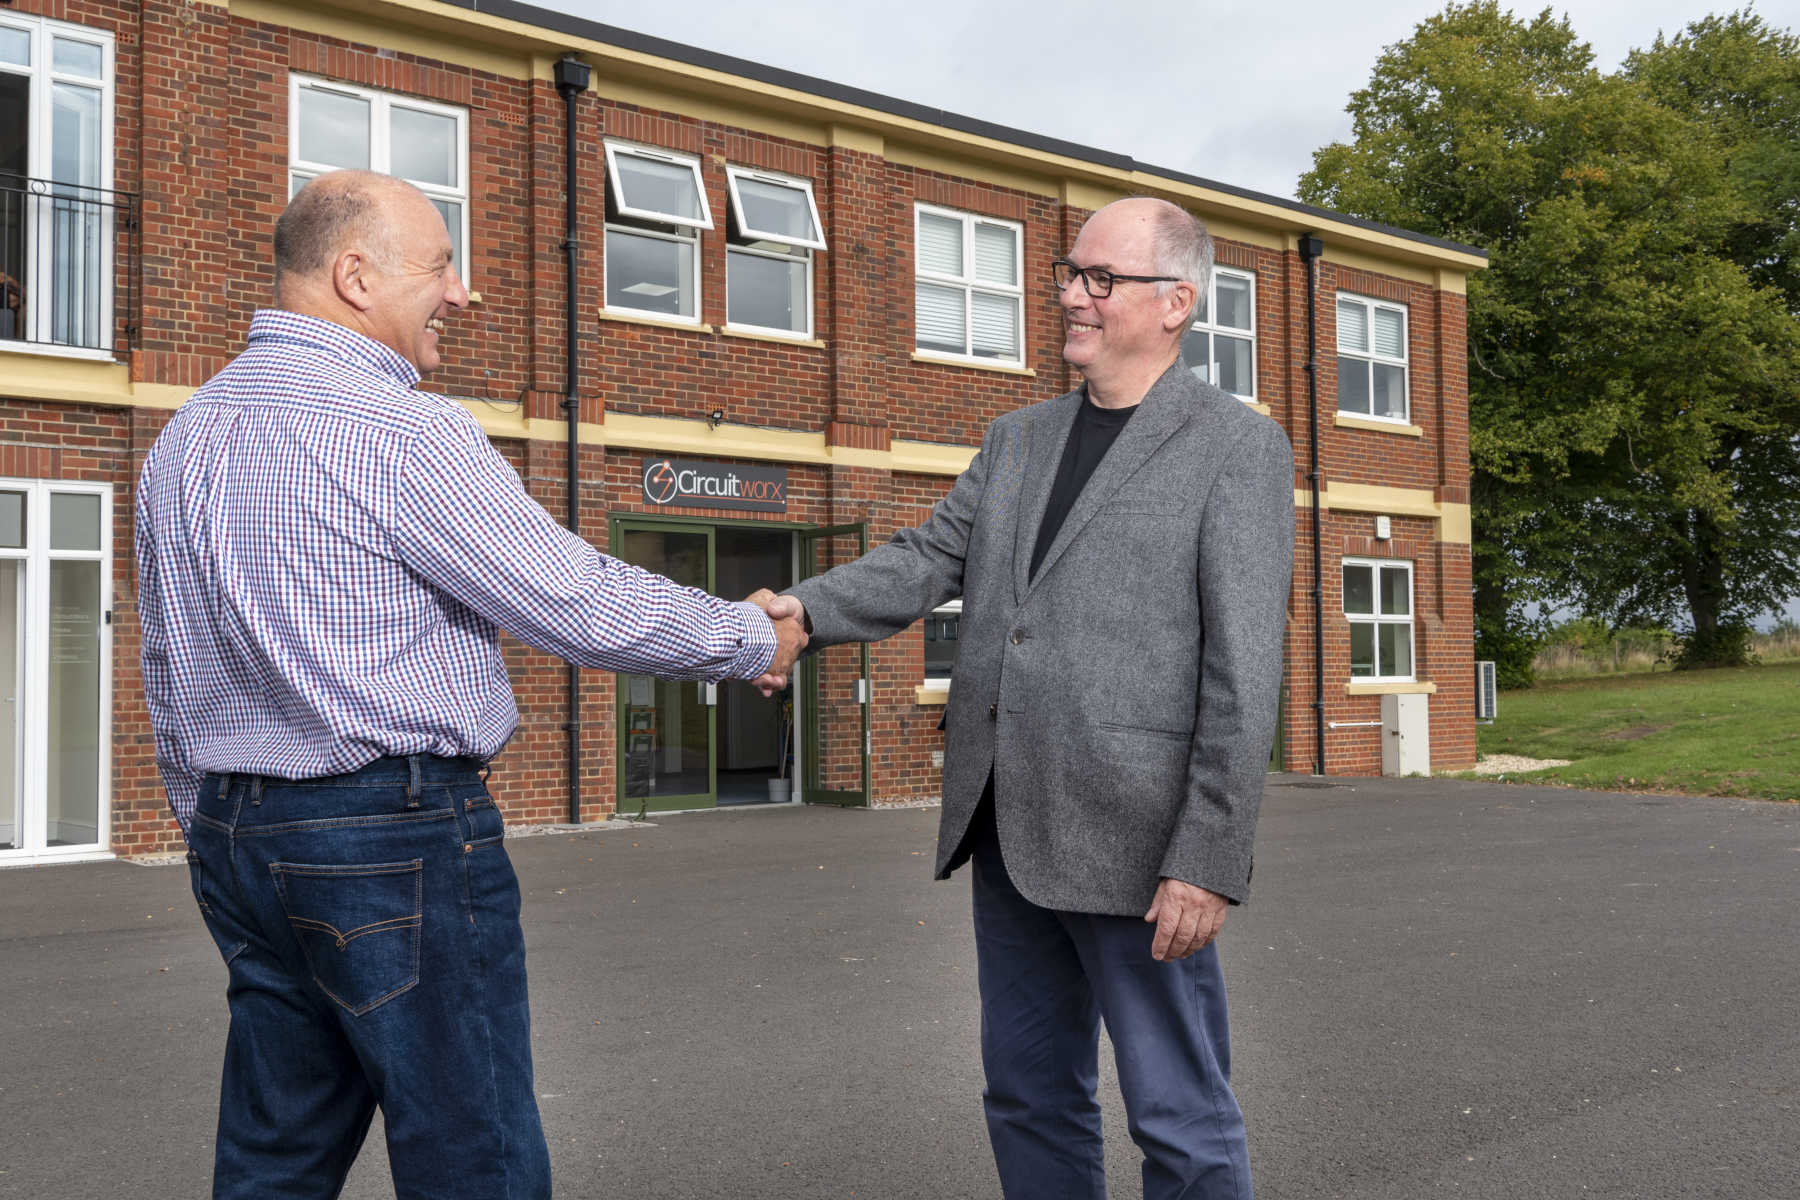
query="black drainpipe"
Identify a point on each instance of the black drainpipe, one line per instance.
(571, 81)
(1310, 250)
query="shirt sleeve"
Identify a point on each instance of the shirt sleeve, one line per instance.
(181, 783)
(466, 524)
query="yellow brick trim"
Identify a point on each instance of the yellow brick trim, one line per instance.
(607, 314)
(1352, 421)
(931, 696)
(1390, 689)
(931, 458)
(402, 26)
(853, 137)
(754, 335)
(1454, 282)
(1259, 406)
(1455, 525)
(1373, 498)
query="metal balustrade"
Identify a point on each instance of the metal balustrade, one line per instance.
(68, 264)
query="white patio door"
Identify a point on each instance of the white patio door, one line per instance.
(55, 668)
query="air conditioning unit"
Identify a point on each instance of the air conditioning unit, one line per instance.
(1487, 692)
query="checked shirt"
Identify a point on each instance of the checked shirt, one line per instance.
(325, 555)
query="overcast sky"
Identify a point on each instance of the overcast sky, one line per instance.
(1238, 91)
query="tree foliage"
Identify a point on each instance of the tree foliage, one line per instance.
(1634, 365)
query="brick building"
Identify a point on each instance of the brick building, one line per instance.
(796, 307)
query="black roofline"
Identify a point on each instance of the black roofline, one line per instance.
(641, 43)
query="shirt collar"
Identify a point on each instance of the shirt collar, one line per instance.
(274, 325)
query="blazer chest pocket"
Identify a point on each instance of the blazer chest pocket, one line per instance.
(1143, 508)
(358, 925)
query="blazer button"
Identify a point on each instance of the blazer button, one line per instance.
(1018, 635)
(993, 712)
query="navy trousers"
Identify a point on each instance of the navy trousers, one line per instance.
(370, 927)
(1048, 978)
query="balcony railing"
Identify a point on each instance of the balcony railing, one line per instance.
(68, 265)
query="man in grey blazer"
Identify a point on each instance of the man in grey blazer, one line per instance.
(1123, 554)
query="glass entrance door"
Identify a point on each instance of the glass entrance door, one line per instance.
(666, 727)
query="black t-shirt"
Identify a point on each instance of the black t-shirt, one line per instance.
(1095, 431)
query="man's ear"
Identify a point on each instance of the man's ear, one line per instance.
(350, 279)
(1185, 303)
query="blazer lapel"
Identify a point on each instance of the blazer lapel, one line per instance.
(1165, 408)
(1049, 434)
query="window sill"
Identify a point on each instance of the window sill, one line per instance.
(628, 318)
(931, 695)
(974, 364)
(765, 335)
(1352, 421)
(1390, 687)
(51, 350)
(1256, 406)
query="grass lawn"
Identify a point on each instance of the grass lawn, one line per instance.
(1732, 732)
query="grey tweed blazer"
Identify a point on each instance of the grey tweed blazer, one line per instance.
(1125, 698)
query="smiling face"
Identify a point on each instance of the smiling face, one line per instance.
(1132, 335)
(415, 285)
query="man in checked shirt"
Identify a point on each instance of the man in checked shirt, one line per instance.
(325, 555)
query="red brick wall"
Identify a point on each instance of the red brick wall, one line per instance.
(202, 132)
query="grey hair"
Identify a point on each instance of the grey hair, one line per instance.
(1180, 246)
(327, 216)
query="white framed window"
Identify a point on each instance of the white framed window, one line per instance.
(768, 254)
(57, 209)
(655, 209)
(333, 126)
(968, 293)
(1371, 346)
(55, 668)
(1220, 346)
(1378, 604)
(942, 628)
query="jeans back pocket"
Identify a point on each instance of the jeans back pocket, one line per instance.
(358, 924)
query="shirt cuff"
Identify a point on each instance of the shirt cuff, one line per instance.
(756, 643)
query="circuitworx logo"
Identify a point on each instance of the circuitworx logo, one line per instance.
(679, 482)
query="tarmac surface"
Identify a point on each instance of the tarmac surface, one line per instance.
(1440, 989)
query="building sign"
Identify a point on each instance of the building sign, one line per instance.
(684, 483)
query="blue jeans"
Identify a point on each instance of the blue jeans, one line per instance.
(370, 928)
(1047, 979)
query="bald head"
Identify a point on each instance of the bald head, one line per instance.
(334, 213)
(1179, 244)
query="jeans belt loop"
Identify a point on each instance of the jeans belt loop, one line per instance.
(256, 784)
(413, 784)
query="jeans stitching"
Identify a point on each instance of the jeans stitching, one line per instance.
(436, 814)
(328, 871)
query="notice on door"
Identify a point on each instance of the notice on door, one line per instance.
(684, 483)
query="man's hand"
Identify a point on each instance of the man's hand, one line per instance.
(788, 617)
(1186, 919)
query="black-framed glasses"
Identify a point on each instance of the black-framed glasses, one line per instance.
(1098, 280)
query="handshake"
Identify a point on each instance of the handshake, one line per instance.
(789, 619)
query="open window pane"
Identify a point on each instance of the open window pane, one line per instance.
(1352, 326)
(1353, 385)
(1359, 590)
(940, 318)
(656, 189)
(424, 147)
(770, 210)
(334, 129)
(996, 326)
(996, 255)
(1362, 649)
(940, 245)
(70, 57)
(1395, 643)
(1234, 302)
(766, 292)
(651, 274)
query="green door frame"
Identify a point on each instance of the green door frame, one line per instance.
(617, 525)
(810, 789)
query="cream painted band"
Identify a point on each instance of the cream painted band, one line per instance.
(931, 695)
(1453, 523)
(1390, 689)
(514, 49)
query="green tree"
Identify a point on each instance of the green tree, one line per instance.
(1632, 384)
